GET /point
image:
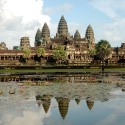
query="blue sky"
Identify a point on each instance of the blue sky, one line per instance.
(101, 14)
(81, 12)
(107, 17)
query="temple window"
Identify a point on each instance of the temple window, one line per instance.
(68, 56)
(77, 45)
(2, 58)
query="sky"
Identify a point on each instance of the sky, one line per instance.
(20, 18)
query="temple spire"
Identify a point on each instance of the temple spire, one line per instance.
(90, 37)
(77, 35)
(62, 31)
(45, 31)
(38, 38)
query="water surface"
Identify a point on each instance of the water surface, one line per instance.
(62, 99)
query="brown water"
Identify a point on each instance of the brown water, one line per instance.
(62, 99)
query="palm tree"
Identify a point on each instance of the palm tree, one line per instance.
(103, 50)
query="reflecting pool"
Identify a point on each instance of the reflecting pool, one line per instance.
(62, 99)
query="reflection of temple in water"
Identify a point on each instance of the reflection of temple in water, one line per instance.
(39, 79)
(72, 86)
(90, 103)
(47, 78)
(45, 100)
(63, 103)
(77, 101)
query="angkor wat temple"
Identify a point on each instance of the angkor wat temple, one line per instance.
(76, 47)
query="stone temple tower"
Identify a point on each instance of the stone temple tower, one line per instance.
(77, 35)
(62, 31)
(24, 42)
(42, 37)
(90, 37)
(45, 34)
(38, 38)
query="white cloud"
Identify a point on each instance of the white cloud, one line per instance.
(114, 30)
(20, 18)
(27, 118)
(27, 113)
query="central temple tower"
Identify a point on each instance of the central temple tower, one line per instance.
(62, 31)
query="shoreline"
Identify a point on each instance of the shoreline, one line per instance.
(115, 70)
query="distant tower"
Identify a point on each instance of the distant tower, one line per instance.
(45, 35)
(90, 37)
(62, 31)
(42, 37)
(24, 42)
(3, 46)
(77, 35)
(45, 32)
(38, 38)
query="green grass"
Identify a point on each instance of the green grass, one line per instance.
(60, 70)
(47, 70)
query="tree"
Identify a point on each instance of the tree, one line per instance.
(92, 53)
(40, 52)
(26, 53)
(59, 54)
(103, 50)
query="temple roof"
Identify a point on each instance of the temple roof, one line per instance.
(10, 51)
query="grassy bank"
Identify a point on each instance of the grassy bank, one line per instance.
(61, 70)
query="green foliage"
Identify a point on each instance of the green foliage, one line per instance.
(103, 49)
(26, 53)
(92, 52)
(40, 52)
(59, 53)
